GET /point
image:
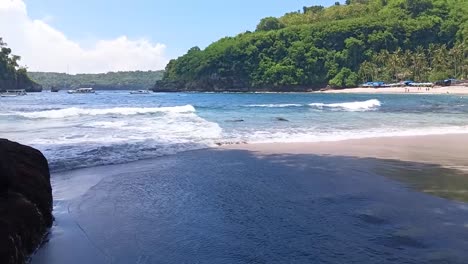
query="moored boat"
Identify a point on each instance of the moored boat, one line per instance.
(140, 92)
(81, 91)
(13, 93)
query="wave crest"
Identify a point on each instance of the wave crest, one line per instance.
(351, 106)
(274, 105)
(75, 111)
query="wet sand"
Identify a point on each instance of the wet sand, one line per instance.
(449, 150)
(357, 201)
(455, 89)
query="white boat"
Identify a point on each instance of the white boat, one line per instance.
(81, 91)
(13, 93)
(140, 92)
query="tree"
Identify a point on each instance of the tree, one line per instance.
(355, 49)
(419, 63)
(12, 76)
(458, 56)
(368, 71)
(345, 78)
(269, 23)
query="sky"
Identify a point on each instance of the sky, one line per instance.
(93, 36)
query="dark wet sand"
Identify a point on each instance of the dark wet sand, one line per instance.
(280, 203)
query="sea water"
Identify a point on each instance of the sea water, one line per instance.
(112, 127)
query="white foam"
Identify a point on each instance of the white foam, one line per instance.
(274, 105)
(304, 135)
(351, 106)
(127, 139)
(108, 124)
(75, 111)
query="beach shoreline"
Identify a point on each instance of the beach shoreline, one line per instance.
(443, 149)
(454, 89)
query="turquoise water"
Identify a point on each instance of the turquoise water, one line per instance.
(115, 127)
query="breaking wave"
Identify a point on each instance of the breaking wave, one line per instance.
(75, 111)
(346, 106)
(350, 106)
(274, 105)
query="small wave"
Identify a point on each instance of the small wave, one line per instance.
(70, 157)
(351, 106)
(274, 105)
(75, 111)
(310, 135)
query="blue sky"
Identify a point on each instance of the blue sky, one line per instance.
(95, 36)
(179, 24)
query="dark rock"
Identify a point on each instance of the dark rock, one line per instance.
(282, 119)
(218, 84)
(25, 201)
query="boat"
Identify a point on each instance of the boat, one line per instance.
(81, 91)
(373, 85)
(13, 93)
(140, 92)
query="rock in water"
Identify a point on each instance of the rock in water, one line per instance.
(282, 119)
(25, 201)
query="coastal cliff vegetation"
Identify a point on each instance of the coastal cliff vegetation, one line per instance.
(124, 80)
(341, 46)
(12, 75)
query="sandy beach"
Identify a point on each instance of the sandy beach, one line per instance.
(445, 150)
(462, 90)
(379, 200)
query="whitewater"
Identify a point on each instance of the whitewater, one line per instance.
(113, 127)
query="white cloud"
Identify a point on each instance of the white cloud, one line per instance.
(44, 48)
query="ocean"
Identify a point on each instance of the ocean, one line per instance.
(114, 127)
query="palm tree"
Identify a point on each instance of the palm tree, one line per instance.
(457, 58)
(368, 71)
(395, 62)
(440, 58)
(381, 61)
(419, 63)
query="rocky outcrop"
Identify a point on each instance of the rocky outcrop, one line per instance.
(25, 201)
(224, 85)
(29, 86)
(21, 83)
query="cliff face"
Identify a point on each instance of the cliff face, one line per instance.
(28, 85)
(25, 201)
(226, 85)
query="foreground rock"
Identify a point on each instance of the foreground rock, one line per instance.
(25, 201)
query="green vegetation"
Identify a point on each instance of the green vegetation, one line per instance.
(135, 80)
(12, 76)
(340, 46)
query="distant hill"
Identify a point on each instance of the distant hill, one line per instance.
(340, 46)
(125, 80)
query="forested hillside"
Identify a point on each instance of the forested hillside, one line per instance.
(133, 80)
(12, 76)
(340, 46)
